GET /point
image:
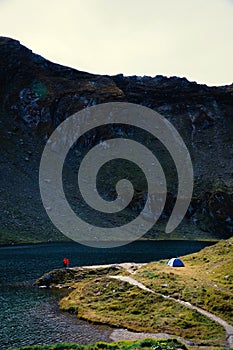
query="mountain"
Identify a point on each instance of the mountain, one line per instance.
(36, 95)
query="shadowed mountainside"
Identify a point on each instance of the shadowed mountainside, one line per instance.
(37, 95)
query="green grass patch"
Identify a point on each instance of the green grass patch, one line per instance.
(108, 301)
(146, 344)
(205, 281)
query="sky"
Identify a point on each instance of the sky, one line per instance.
(185, 38)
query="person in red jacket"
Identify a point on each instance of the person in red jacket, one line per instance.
(66, 262)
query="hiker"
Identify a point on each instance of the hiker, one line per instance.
(66, 262)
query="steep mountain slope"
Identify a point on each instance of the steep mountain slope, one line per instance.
(37, 95)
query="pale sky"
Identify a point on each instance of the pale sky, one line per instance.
(191, 38)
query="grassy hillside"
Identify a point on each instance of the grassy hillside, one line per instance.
(205, 281)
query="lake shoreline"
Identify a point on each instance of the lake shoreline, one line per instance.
(124, 289)
(117, 334)
(85, 243)
(20, 264)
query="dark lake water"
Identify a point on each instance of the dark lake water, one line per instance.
(31, 316)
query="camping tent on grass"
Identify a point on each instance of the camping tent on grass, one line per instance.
(175, 262)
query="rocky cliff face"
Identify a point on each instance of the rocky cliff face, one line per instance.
(37, 95)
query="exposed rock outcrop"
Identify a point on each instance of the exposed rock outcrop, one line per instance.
(36, 95)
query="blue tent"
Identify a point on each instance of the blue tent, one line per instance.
(175, 262)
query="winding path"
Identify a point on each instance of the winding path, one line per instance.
(227, 326)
